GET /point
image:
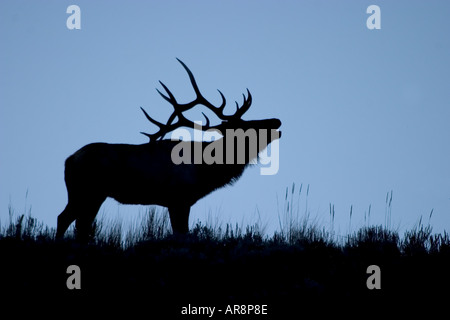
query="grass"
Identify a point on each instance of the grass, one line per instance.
(218, 265)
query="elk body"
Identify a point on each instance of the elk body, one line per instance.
(147, 173)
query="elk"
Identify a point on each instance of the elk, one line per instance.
(146, 174)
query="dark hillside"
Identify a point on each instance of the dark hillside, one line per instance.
(222, 267)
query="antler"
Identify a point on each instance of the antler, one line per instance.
(182, 122)
(199, 100)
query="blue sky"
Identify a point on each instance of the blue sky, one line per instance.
(364, 111)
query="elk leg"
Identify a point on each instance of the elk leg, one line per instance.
(65, 218)
(179, 219)
(83, 225)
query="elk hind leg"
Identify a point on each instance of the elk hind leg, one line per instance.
(65, 218)
(84, 223)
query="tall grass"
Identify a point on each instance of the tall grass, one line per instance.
(214, 264)
(302, 262)
(25, 227)
(296, 224)
(297, 228)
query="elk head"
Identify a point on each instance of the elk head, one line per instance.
(229, 123)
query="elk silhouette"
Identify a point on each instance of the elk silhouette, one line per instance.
(146, 174)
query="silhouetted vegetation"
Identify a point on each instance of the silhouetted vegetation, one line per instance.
(217, 266)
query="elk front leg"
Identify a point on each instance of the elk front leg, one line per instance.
(179, 219)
